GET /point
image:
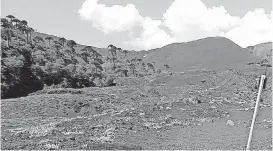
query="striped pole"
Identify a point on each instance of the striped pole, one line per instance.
(255, 112)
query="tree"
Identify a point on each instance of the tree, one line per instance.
(151, 66)
(23, 27)
(38, 39)
(88, 49)
(10, 17)
(125, 53)
(114, 62)
(62, 41)
(74, 60)
(110, 46)
(71, 44)
(139, 59)
(113, 54)
(49, 39)
(57, 46)
(143, 65)
(134, 60)
(68, 51)
(7, 33)
(23, 22)
(123, 71)
(16, 21)
(97, 65)
(29, 32)
(96, 55)
(119, 50)
(133, 68)
(57, 42)
(84, 56)
(112, 50)
(5, 23)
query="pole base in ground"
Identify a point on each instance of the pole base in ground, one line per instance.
(255, 112)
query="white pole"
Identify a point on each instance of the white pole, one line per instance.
(255, 112)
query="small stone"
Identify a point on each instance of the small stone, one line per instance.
(161, 108)
(230, 122)
(213, 107)
(141, 114)
(182, 109)
(168, 108)
(51, 146)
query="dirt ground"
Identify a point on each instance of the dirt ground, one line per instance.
(192, 110)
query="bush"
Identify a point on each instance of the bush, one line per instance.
(109, 81)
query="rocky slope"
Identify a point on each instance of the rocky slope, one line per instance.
(263, 50)
(212, 112)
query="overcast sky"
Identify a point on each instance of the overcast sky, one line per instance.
(146, 24)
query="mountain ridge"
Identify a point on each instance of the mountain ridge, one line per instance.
(201, 53)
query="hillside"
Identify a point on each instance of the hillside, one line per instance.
(32, 61)
(208, 53)
(263, 50)
(103, 51)
(78, 47)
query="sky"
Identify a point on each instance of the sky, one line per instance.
(146, 24)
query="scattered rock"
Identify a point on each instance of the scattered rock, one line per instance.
(141, 114)
(213, 107)
(182, 109)
(51, 146)
(161, 108)
(230, 122)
